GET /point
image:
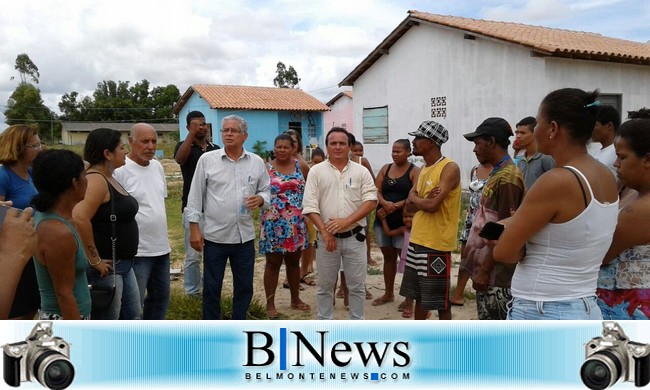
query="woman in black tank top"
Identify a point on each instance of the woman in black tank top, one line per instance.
(394, 182)
(105, 152)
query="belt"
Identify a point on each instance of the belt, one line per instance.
(349, 233)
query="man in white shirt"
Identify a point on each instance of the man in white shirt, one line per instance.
(227, 185)
(144, 178)
(339, 194)
(607, 122)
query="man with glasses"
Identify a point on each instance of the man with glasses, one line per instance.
(187, 154)
(228, 184)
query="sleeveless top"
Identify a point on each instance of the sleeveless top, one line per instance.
(49, 302)
(475, 187)
(563, 259)
(629, 270)
(126, 228)
(437, 230)
(396, 190)
(283, 228)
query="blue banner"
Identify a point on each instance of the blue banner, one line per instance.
(320, 354)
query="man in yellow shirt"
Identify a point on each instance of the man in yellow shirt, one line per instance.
(435, 200)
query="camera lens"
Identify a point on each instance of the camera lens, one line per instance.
(53, 370)
(601, 370)
(59, 374)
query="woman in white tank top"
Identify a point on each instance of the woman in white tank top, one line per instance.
(624, 281)
(566, 221)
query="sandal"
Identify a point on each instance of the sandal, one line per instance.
(302, 306)
(382, 301)
(286, 285)
(407, 313)
(307, 280)
(272, 314)
(368, 295)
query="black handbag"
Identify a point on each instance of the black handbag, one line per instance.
(102, 296)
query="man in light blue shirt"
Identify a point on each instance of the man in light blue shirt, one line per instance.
(227, 184)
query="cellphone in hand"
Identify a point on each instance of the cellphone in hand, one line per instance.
(491, 231)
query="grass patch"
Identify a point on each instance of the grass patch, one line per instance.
(375, 271)
(183, 307)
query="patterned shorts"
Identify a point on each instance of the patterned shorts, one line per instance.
(492, 304)
(42, 315)
(426, 277)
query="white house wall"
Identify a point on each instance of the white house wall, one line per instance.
(479, 78)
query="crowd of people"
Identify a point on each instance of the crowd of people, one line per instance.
(575, 241)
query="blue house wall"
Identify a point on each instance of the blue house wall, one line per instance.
(262, 125)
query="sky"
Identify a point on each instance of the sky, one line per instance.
(76, 44)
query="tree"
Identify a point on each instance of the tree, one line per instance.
(25, 105)
(285, 78)
(117, 101)
(26, 67)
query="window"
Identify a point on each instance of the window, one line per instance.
(375, 125)
(611, 100)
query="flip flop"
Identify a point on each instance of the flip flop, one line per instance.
(286, 285)
(401, 306)
(407, 313)
(307, 280)
(272, 314)
(379, 301)
(456, 303)
(368, 295)
(302, 306)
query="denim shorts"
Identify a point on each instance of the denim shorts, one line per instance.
(572, 309)
(383, 240)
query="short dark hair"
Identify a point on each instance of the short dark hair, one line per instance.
(643, 113)
(608, 114)
(317, 152)
(52, 172)
(283, 137)
(637, 134)
(404, 142)
(298, 136)
(529, 121)
(99, 140)
(337, 129)
(357, 143)
(193, 115)
(573, 109)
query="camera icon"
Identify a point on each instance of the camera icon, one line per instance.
(613, 358)
(40, 358)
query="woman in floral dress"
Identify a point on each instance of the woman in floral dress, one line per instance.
(283, 233)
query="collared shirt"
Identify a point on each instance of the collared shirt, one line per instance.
(338, 194)
(534, 167)
(218, 187)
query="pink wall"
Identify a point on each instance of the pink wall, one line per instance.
(341, 115)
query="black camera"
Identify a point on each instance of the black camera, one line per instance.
(40, 358)
(613, 358)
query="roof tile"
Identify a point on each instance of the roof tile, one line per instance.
(258, 98)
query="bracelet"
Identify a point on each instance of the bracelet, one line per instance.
(97, 263)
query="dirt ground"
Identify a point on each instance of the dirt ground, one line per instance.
(374, 284)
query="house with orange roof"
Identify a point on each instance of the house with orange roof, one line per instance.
(268, 111)
(459, 71)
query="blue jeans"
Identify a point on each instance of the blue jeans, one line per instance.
(152, 274)
(192, 276)
(126, 304)
(242, 265)
(573, 309)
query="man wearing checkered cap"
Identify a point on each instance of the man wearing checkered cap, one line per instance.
(435, 201)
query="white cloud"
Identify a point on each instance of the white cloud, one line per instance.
(78, 43)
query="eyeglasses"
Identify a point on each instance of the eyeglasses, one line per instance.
(230, 131)
(37, 145)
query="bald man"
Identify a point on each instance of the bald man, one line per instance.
(144, 178)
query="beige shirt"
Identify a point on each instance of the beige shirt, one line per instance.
(335, 194)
